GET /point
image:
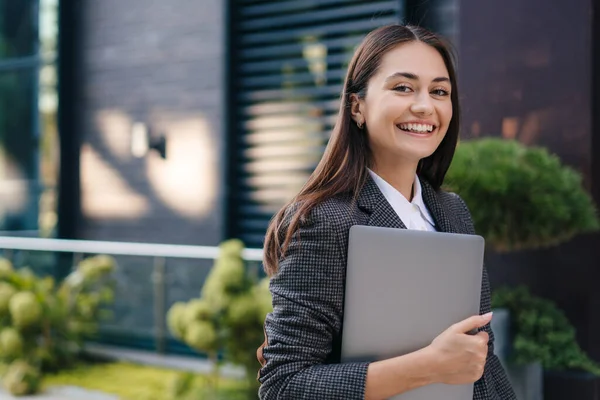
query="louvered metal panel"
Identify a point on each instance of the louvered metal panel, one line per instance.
(288, 65)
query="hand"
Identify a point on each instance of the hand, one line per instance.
(460, 357)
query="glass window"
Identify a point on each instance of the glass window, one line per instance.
(18, 28)
(17, 150)
(29, 158)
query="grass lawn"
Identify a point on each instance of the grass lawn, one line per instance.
(140, 382)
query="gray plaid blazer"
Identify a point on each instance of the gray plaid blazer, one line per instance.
(300, 357)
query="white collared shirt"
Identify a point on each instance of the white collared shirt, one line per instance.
(414, 214)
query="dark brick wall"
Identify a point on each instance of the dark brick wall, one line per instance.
(526, 72)
(162, 63)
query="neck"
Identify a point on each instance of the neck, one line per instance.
(400, 175)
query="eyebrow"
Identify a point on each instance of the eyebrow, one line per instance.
(414, 77)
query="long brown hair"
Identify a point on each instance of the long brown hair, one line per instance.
(343, 167)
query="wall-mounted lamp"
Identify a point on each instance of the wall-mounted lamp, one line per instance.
(142, 141)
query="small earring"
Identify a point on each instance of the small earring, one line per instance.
(359, 124)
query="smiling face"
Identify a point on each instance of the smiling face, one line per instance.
(407, 107)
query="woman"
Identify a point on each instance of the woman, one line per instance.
(388, 154)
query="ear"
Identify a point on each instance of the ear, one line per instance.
(356, 109)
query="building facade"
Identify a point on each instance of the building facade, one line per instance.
(243, 94)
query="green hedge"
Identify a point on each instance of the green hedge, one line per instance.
(520, 197)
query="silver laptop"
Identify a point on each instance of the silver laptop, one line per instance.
(404, 288)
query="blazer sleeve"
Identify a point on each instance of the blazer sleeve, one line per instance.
(496, 382)
(308, 295)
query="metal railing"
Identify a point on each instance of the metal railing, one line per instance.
(158, 252)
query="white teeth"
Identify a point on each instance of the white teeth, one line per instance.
(417, 127)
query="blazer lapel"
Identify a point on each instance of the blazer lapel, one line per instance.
(374, 203)
(443, 223)
(382, 214)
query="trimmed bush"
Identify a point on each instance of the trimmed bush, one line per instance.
(228, 316)
(43, 326)
(520, 197)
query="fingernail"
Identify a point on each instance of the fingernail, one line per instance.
(488, 315)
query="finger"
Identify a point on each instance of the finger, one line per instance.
(484, 337)
(472, 323)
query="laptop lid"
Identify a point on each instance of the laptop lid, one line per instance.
(404, 288)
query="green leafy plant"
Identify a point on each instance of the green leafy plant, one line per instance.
(520, 197)
(227, 318)
(42, 325)
(542, 332)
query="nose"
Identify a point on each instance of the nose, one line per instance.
(422, 105)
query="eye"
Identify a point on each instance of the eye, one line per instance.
(403, 89)
(440, 92)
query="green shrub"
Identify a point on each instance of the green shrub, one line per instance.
(11, 343)
(6, 293)
(43, 326)
(520, 197)
(181, 385)
(228, 317)
(22, 378)
(25, 309)
(542, 332)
